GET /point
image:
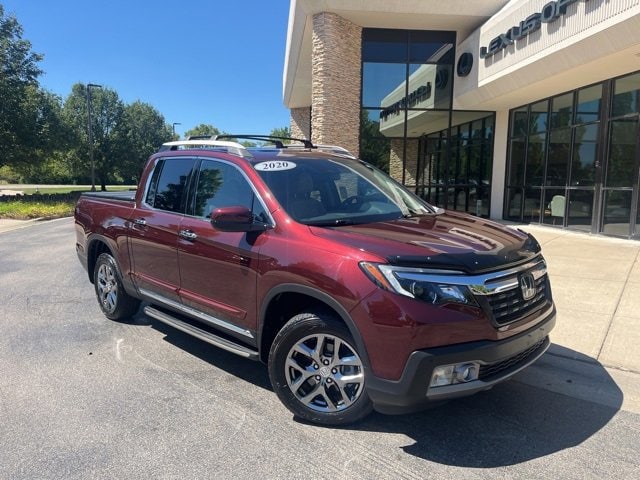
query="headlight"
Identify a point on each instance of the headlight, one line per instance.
(419, 284)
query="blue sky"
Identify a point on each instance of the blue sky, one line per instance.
(196, 61)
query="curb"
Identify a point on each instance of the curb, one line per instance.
(9, 224)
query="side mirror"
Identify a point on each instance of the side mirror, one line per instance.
(235, 219)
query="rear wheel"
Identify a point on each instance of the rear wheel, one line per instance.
(114, 302)
(316, 371)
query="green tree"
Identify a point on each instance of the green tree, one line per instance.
(202, 129)
(29, 116)
(209, 130)
(109, 142)
(374, 148)
(142, 131)
(281, 132)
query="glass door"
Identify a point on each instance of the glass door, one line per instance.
(620, 190)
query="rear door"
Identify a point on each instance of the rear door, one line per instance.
(218, 270)
(154, 230)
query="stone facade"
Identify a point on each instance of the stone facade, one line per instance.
(301, 122)
(335, 116)
(410, 168)
(395, 160)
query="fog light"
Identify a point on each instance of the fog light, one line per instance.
(466, 372)
(442, 376)
(454, 374)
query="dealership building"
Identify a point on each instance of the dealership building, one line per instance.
(523, 110)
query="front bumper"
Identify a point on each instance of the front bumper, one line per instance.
(499, 360)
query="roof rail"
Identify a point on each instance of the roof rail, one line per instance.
(333, 149)
(205, 142)
(201, 137)
(277, 141)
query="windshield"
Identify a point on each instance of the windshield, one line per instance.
(322, 191)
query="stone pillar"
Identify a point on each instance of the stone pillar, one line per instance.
(395, 159)
(301, 122)
(399, 165)
(411, 163)
(335, 85)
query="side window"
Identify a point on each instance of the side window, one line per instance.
(169, 191)
(223, 185)
(153, 184)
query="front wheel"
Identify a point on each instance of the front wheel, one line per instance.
(316, 371)
(114, 302)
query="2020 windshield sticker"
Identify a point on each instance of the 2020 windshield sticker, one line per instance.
(274, 166)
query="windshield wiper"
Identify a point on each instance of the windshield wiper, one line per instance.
(413, 213)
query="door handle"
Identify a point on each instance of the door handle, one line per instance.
(140, 222)
(187, 235)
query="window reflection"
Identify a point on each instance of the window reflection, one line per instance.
(626, 98)
(554, 148)
(585, 150)
(431, 47)
(581, 175)
(535, 159)
(580, 209)
(383, 45)
(617, 206)
(559, 155)
(622, 153)
(406, 120)
(538, 121)
(562, 111)
(589, 100)
(518, 156)
(380, 81)
(519, 122)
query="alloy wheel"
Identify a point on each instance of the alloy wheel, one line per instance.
(324, 373)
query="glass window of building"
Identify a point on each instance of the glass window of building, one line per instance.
(408, 127)
(574, 159)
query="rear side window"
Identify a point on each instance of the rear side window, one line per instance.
(168, 187)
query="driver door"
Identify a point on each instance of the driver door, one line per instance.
(218, 270)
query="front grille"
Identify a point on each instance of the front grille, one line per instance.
(490, 370)
(509, 306)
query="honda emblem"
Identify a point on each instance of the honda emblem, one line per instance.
(528, 286)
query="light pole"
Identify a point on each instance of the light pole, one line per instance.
(173, 127)
(93, 166)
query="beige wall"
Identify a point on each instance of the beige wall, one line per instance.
(499, 168)
(595, 40)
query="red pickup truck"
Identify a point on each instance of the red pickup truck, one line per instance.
(356, 293)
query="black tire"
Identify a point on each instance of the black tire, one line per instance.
(114, 301)
(304, 365)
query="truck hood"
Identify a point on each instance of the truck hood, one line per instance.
(449, 240)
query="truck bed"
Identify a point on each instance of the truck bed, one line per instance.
(123, 196)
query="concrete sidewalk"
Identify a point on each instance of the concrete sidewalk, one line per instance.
(596, 287)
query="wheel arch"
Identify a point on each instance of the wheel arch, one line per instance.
(283, 302)
(97, 245)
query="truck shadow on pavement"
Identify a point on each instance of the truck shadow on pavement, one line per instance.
(511, 424)
(515, 422)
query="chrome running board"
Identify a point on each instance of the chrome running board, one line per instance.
(201, 334)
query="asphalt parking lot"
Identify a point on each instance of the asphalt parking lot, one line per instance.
(83, 397)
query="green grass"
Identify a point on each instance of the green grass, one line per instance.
(58, 189)
(18, 210)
